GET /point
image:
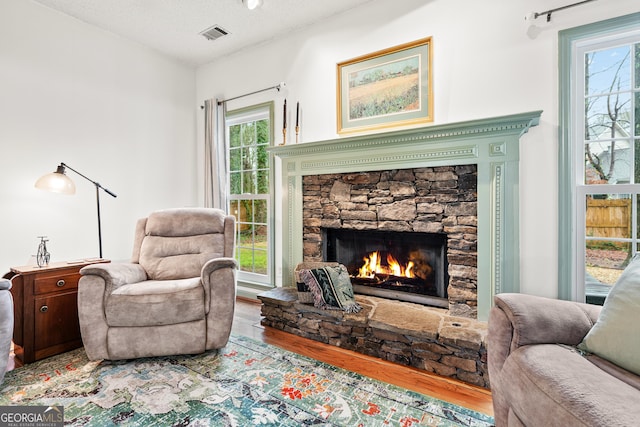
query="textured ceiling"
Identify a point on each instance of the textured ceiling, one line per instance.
(173, 27)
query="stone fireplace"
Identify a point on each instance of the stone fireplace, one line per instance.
(422, 217)
(490, 146)
(446, 192)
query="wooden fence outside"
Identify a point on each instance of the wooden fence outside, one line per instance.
(608, 218)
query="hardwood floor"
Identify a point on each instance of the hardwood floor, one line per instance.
(247, 323)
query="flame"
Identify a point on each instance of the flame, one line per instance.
(373, 265)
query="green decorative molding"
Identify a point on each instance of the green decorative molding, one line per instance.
(492, 144)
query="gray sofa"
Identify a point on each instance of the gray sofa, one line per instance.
(6, 325)
(538, 376)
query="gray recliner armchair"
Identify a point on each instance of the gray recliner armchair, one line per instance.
(6, 325)
(176, 296)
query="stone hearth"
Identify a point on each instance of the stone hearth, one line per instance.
(401, 332)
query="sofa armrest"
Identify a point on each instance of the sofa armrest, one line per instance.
(518, 319)
(539, 320)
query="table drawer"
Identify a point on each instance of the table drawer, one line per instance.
(56, 283)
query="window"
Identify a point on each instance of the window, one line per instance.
(600, 156)
(249, 134)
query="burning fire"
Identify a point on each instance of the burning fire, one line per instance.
(372, 266)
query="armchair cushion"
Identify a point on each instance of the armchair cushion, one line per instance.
(155, 303)
(177, 243)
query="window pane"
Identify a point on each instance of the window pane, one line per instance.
(249, 182)
(637, 108)
(245, 214)
(608, 116)
(249, 157)
(599, 158)
(260, 211)
(260, 261)
(248, 208)
(262, 157)
(234, 136)
(235, 183)
(263, 181)
(636, 66)
(262, 132)
(235, 160)
(608, 216)
(604, 264)
(234, 209)
(248, 133)
(607, 70)
(606, 260)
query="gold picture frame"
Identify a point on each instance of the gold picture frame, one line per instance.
(388, 88)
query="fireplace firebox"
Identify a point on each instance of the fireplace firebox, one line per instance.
(407, 266)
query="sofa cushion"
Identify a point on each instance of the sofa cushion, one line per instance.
(549, 384)
(156, 302)
(614, 336)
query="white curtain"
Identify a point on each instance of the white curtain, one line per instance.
(215, 155)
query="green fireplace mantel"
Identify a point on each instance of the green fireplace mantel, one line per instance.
(492, 144)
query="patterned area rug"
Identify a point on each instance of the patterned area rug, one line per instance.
(247, 383)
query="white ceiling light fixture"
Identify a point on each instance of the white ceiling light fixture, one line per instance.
(252, 4)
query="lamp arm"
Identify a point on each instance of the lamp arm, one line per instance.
(109, 192)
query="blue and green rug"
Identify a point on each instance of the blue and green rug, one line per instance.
(247, 383)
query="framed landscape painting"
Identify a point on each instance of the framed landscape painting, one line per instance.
(391, 87)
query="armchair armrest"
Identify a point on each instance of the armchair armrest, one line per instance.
(219, 281)
(211, 274)
(116, 274)
(217, 263)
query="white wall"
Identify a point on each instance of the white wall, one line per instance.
(117, 112)
(484, 65)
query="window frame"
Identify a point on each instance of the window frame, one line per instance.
(570, 279)
(256, 112)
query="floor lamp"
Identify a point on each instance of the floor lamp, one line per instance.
(59, 182)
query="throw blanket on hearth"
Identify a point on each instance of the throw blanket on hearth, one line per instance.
(331, 288)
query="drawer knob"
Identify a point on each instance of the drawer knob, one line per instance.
(60, 283)
(44, 309)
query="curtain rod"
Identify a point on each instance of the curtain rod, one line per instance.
(536, 15)
(278, 87)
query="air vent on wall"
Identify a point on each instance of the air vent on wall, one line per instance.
(214, 32)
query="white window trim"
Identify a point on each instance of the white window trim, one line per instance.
(571, 223)
(254, 283)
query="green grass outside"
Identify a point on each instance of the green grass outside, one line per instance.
(254, 261)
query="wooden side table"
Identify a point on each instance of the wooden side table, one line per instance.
(46, 309)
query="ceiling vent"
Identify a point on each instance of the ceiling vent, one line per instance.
(214, 32)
